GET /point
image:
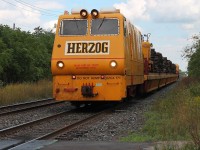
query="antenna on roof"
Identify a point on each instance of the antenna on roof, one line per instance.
(147, 36)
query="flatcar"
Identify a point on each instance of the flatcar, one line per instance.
(101, 56)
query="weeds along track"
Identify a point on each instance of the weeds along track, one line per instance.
(52, 127)
(18, 108)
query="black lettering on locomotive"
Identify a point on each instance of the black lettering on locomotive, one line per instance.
(87, 47)
(91, 47)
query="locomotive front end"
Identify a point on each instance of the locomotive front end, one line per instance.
(88, 57)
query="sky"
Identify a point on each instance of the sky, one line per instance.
(171, 23)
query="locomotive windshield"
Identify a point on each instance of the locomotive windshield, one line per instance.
(105, 26)
(73, 27)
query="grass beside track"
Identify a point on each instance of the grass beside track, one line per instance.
(17, 93)
(174, 117)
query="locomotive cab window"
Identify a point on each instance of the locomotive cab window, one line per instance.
(105, 26)
(73, 27)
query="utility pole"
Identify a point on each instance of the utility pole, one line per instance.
(13, 26)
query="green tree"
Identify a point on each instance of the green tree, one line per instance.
(192, 53)
(24, 56)
(194, 63)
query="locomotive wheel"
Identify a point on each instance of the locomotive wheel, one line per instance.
(76, 104)
(131, 92)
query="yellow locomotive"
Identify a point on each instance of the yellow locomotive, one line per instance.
(101, 57)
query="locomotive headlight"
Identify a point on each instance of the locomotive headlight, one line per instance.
(84, 13)
(60, 64)
(94, 13)
(113, 64)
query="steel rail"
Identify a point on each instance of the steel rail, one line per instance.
(26, 103)
(23, 125)
(29, 108)
(66, 128)
(73, 125)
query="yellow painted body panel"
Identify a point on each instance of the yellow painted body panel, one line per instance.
(89, 64)
(126, 49)
(134, 59)
(152, 76)
(155, 81)
(146, 46)
(123, 49)
(112, 88)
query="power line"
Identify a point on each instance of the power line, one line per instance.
(12, 21)
(6, 19)
(17, 6)
(33, 6)
(36, 11)
(29, 10)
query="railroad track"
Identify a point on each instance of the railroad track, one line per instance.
(20, 126)
(7, 110)
(65, 128)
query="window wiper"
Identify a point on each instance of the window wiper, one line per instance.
(76, 23)
(101, 23)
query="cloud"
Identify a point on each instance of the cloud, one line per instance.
(133, 9)
(28, 17)
(188, 26)
(171, 11)
(177, 11)
(49, 5)
(50, 25)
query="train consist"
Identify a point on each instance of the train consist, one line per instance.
(101, 56)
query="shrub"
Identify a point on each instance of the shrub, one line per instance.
(15, 93)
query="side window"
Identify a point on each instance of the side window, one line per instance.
(139, 44)
(131, 42)
(125, 27)
(134, 43)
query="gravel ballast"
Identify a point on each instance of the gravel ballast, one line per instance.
(118, 124)
(126, 119)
